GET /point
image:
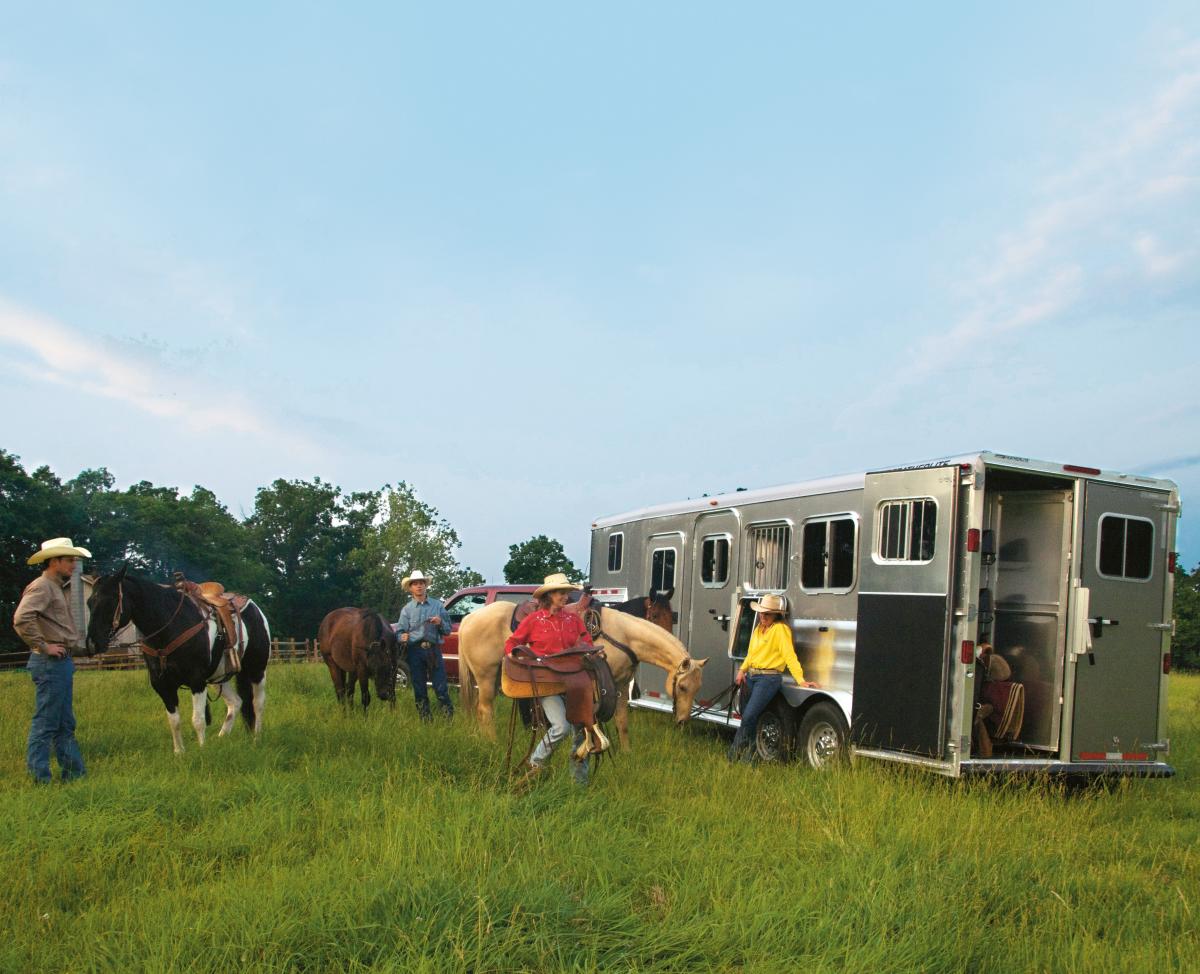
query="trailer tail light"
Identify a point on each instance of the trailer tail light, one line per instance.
(968, 651)
(1072, 468)
(1172, 560)
(973, 539)
(1166, 663)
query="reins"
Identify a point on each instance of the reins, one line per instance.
(145, 646)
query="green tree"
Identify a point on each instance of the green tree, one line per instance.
(1185, 647)
(304, 533)
(531, 561)
(408, 534)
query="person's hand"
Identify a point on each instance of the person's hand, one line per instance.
(403, 637)
(57, 650)
(436, 620)
(740, 678)
(810, 684)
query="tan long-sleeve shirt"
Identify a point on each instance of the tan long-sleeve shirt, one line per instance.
(44, 616)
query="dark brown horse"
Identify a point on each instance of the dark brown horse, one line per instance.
(655, 607)
(359, 645)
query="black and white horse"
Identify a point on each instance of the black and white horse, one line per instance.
(196, 660)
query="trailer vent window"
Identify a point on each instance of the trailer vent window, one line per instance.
(616, 545)
(769, 556)
(828, 559)
(907, 530)
(662, 570)
(1126, 547)
(714, 561)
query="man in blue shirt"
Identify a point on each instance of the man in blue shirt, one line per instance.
(422, 626)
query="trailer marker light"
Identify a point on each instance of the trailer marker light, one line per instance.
(968, 651)
(1072, 468)
(1166, 663)
(973, 539)
(1172, 560)
(712, 503)
(653, 693)
(1092, 755)
(1135, 757)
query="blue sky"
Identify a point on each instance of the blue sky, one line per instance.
(548, 262)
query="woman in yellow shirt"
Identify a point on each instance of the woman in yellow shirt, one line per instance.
(770, 653)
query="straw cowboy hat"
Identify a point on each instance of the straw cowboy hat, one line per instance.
(58, 548)
(770, 603)
(417, 576)
(555, 583)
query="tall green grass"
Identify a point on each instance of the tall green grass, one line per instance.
(339, 843)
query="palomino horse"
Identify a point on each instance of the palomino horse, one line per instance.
(358, 645)
(481, 648)
(182, 648)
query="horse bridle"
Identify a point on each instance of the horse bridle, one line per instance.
(116, 625)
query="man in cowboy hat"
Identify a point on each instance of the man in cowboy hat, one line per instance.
(44, 621)
(422, 626)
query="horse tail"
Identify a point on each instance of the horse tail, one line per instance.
(245, 690)
(468, 696)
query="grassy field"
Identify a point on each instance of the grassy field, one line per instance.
(344, 844)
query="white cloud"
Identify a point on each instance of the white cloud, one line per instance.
(46, 351)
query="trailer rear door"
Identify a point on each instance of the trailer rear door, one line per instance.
(1123, 572)
(901, 658)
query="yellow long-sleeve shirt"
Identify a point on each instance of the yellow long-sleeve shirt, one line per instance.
(773, 650)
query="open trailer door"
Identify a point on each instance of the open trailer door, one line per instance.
(902, 658)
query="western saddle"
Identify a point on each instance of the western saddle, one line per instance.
(212, 600)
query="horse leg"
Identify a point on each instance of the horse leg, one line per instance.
(364, 683)
(621, 717)
(253, 695)
(170, 698)
(199, 704)
(486, 688)
(260, 702)
(232, 702)
(339, 680)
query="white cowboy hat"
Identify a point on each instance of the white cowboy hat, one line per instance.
(417, 576)
(770, 603)
(555, 583)
(58, 548)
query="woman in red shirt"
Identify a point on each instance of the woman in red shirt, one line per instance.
(547, 631)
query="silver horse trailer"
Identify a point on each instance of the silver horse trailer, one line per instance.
(893, 579)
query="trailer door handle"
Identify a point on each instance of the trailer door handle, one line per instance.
(1098, 624)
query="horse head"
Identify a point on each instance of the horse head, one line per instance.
(683, 683)
(110, 610)
(382, 652)
(658, 609)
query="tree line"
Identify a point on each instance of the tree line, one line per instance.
(307, 547)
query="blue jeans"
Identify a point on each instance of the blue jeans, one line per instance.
(53, 719)
(428, 666)
(762, 691)
(555, 709)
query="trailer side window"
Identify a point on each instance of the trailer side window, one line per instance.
(827, 562)
(907, 529)
(1126, 547)
(714, 561)
(662, 570)
(616, 546)
(769, 546)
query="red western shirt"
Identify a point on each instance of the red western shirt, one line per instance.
(547, 633)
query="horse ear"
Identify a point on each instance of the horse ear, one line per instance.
(668, 594)
(700, 662)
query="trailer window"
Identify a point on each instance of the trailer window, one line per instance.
(616, 548)
(769, 556)
(907, 529)
(1126, 547)
(662, 570)
(827, 562)
(714, 561)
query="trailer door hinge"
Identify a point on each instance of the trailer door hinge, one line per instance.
(1169, 508)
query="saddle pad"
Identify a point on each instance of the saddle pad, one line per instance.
(515, 683)
(1008, 699)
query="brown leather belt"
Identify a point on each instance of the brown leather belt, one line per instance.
(754, 671)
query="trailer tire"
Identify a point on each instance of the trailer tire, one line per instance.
(775, 735)
(822, 738)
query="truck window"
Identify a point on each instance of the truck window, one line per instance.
(463, 606)
(616, 546)
(714, 561)
(907, 529)
(1126, 547)
(827, 560)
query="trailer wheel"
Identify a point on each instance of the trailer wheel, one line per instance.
(403, 676)
(775, 736)
(822, 736)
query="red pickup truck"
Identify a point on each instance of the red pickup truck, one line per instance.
(465, 601)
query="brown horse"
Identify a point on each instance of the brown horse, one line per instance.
(481, 648)
(358, 644)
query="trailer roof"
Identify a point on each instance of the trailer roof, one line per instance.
(833, 485)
